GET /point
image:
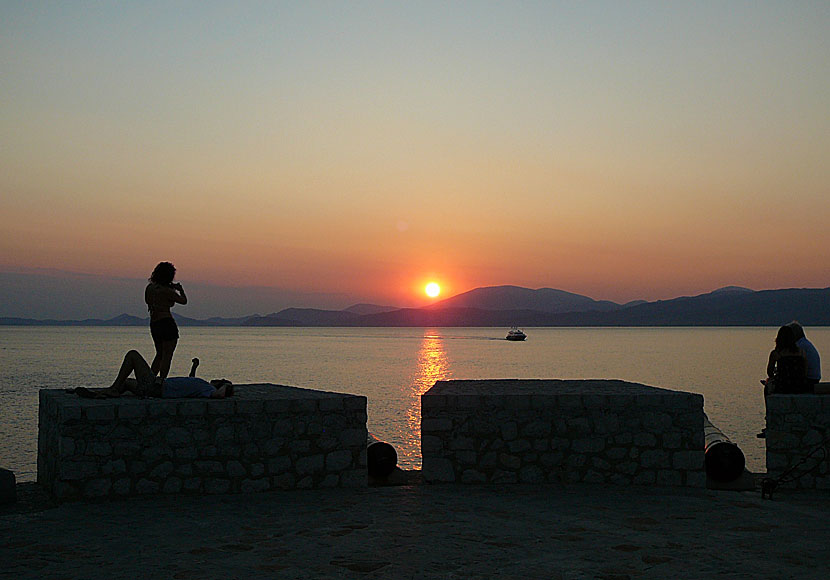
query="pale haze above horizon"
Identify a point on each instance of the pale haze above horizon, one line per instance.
(320, 154)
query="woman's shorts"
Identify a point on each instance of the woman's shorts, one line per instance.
(164, 330)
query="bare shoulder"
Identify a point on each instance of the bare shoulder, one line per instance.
(159, 290)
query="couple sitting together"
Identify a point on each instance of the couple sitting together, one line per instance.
(794, 365)
(146, 384)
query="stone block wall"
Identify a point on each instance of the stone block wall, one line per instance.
(533, 431)
(798, 427)
(264, 437)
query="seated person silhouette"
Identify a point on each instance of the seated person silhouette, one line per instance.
(786, 368)
(146, 384)
(810, 353)
(787, 365)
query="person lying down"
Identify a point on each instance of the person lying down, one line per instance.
(145, 384)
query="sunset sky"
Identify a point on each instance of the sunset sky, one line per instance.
(345, 152)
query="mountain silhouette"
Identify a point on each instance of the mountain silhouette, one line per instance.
(730, 306)
(513, 305)
(725, 307)
(518, 298)
(362, 309)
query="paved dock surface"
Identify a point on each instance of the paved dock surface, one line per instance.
(423, 532)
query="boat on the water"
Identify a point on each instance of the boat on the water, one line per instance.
(515, 334)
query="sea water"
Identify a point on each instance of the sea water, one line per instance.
(392, 367)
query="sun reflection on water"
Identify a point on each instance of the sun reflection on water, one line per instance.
(433, 365)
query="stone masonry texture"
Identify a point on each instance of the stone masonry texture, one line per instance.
(798, 440)
(264, 437)
(535, 431)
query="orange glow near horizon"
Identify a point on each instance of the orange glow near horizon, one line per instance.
(285, 177)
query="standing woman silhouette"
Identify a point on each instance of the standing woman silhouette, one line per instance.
(160, 295)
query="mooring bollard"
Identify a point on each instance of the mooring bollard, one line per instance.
(8, 487)
(381, 457)
(724, 460)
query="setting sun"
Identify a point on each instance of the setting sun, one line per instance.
(432, 289)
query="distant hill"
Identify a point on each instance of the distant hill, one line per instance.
(724, 307)
(362, 309)
(730, 307)
(511, 305)
(518, 298)
(316, 317)
(460, 317)
(127, 320)
(120, 320)
(212, 321)
(731, 290)
(269, 320)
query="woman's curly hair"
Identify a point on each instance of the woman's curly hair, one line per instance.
(785, 340)
(164, 273)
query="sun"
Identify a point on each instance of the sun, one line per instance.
(432, 289)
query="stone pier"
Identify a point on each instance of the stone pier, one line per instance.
(798, 440)
(264, 437)
(533, 431)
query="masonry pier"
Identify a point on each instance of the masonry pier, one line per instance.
(264, 437)
(533, 431)
(798, 440)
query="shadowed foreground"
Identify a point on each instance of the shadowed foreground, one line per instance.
(518, 531)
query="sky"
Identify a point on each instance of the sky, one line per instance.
(320, 154)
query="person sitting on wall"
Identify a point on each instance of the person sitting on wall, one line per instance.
(787, 365)
(786, 368)
(810, 352)
(146, 384)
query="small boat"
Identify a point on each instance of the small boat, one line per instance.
(515, 334)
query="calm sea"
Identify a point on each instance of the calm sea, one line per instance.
(394, 366)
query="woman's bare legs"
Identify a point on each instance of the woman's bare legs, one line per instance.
(133, 363)
(154, 366)
(164, 358)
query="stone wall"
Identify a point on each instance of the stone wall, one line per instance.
(530, 431)
(798, 426)
(264, 437)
